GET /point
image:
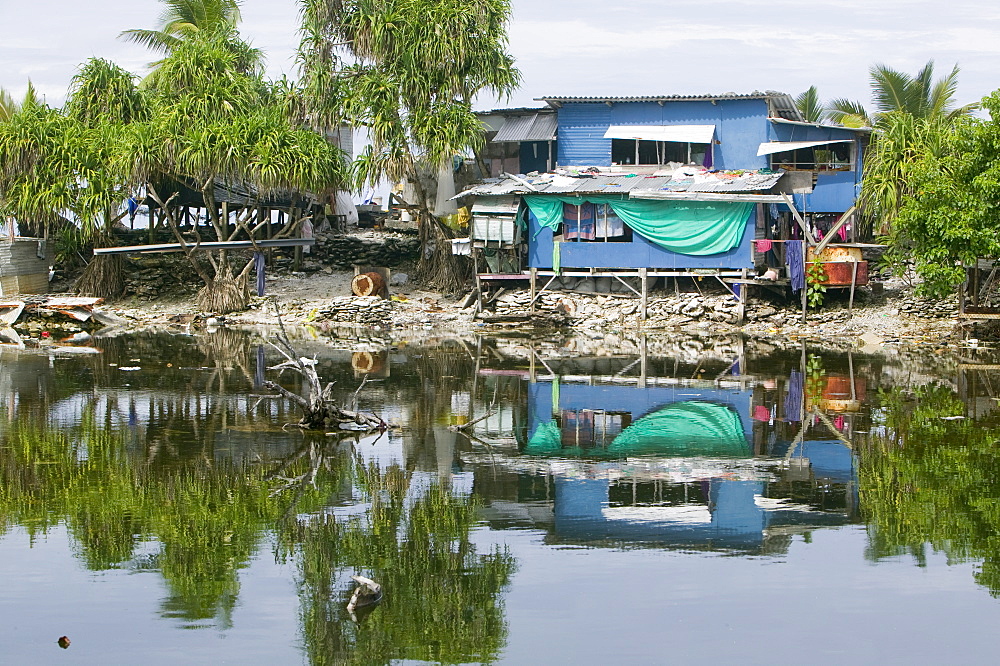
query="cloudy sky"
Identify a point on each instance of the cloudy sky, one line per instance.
(588, 47)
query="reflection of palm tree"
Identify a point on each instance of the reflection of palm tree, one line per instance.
(442, 598)
(920, 96)
(184, 18)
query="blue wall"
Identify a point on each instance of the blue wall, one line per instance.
(835, 191)
(637, 254)
(740, 127)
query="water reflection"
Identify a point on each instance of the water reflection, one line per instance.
(160, 454)
(736, 463)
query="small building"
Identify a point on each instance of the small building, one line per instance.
(519, 140)
(653, 187)
(24, 265)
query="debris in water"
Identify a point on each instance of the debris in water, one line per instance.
(367, 593)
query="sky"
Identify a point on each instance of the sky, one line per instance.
(586, 47)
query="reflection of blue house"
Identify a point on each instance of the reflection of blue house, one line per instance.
(829, 459)
(624, 205)
(731, 509)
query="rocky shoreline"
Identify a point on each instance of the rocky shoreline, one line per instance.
(321, 300)
(162, 291)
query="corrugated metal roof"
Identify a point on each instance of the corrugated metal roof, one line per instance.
(535, 127)
(506, 205)
(781, 104)
(634, 186)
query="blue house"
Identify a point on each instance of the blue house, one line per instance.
(676, 185)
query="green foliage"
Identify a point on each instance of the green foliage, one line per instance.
(893, 91)
(810, 105)
(930, 481)
(51, 165)
(442, 600)
(952, 188)
(415, 67)
(209, 519)
(815, 290)
(102, 93)
(182, 19)
(893, 160)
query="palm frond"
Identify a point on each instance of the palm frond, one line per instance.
(810, 106)
(848, 113)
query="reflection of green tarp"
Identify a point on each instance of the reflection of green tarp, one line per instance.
(685, 429)
(691, 428)
(547, 439)
(687, 227)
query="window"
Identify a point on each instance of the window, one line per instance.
(829, 157)
(593, 222)
(641, 152)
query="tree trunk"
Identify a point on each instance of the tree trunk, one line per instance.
(224, 294)
(438, 267)
(104, 277)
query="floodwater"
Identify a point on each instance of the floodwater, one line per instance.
(535, 501)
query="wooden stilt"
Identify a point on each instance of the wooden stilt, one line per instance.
(644, 299)
(805, 287)
(854, 280)
(533, 272)
(741, 309)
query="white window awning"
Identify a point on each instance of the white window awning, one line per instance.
(772, 147)
(681, 133)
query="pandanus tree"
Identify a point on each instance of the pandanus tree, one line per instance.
(51, 168)
(103, 100)
(214, 121)
(406, 71)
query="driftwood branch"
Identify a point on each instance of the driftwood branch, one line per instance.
(465, 426)
(319, 410)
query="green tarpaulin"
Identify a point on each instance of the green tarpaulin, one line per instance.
(691, 428)
(686, 227)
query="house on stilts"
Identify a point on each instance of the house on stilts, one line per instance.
(736, 187)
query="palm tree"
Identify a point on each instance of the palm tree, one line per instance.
(183, 18)
(913, 117)
(8, 107)
(920, 96)
(810, 106)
